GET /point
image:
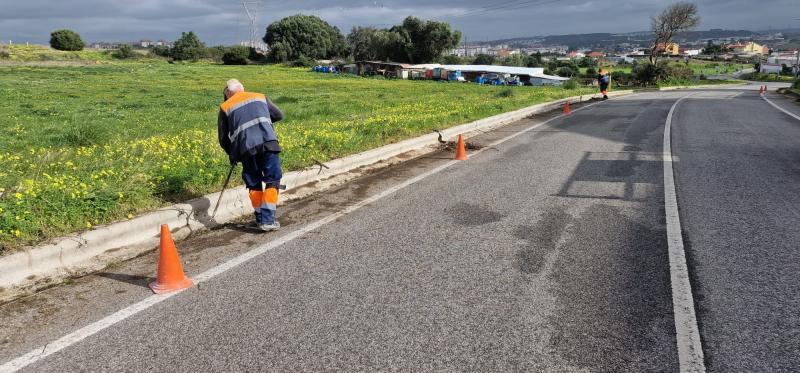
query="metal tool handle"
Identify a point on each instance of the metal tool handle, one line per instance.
(225, 186)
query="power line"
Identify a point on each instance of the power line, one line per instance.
(510, 5)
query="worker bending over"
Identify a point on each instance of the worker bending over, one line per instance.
(246, 133)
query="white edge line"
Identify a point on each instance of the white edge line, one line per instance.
(690, 349)
(97, 326)
(779, 108)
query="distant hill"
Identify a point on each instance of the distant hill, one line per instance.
(605, 40)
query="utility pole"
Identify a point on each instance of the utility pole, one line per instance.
(251, 8)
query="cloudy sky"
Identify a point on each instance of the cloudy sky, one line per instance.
(224, 22)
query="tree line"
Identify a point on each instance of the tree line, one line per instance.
(301, 39)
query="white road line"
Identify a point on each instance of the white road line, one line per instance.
(690, 349)
(779, 108)
(108, 321)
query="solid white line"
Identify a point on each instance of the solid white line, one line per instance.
(690, 349)
(93, 328)
(779, 108)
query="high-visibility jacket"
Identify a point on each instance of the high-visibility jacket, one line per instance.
(245, 125)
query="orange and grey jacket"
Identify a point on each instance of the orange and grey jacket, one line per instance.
(244, 125)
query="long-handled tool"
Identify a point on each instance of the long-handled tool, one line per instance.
(225, 186)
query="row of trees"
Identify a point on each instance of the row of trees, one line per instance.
(309, 37)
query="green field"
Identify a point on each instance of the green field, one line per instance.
(82, 146)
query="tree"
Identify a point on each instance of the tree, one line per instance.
(587, 62)
(535, 60)
(236, 55)
(306, 36)
(66, 40)
(188, 47)
(565, 72)
(362, 43)
(712, 49)
(519, 60)
(678, 17)
(215, 53)
(413, 41)
(483, 59)
(161, 51)
(649, 74)
(125, 51)
(452, 60)
(429, 39)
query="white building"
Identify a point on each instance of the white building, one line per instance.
(470, 51)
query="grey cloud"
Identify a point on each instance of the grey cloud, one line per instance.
(223, 22)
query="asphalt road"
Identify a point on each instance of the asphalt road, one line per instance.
(547, 252)
(738, 185)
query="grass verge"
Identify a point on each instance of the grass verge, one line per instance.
(83, 146)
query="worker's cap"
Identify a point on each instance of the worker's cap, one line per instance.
(233, 85)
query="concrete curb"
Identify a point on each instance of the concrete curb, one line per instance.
(38, 267)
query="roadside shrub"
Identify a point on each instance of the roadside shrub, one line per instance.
(161, 51)
(622, 78)
(5, 54)
(124, 52)
(649, 74)
(66, 40)
(590, 72)
(679, 72)
(570, 84)
(215, 53)
(256, 56)
(302, 61)
(796, 84)
(236, 55)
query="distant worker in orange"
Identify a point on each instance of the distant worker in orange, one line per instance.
(603, 79)
(246, 133)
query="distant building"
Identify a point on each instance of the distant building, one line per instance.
(470, 51)
(689, 52)
(750, 48)
(771, 68)
(669, 49)
(257, 45)
(788, 58)
(596, 54)
(576, 54)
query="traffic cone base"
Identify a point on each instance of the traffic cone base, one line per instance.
(461, 149)
(158, 288)
(170, 275)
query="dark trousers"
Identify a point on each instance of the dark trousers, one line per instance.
(262, 175)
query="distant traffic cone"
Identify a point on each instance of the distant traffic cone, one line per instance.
(567, 110)
(461, 149)
(765, 89)
(170, 271)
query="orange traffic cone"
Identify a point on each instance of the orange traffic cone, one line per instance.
(461, 149)
(170, 271)
(567, 110)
